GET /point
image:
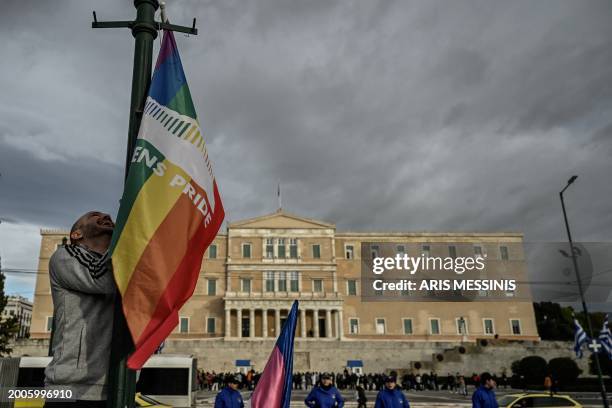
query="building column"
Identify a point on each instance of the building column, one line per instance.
(277, 322)
(340, 325)
(316, 322)
(264, 318)
(251, 323)
(328, 323)
(335, 280)
(239, 320)
(228, 322)
(303, 323)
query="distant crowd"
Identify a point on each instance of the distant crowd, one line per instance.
(454, 383)
(327, 393)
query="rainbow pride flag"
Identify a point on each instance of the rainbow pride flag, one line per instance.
(274, 387)
(170, 212)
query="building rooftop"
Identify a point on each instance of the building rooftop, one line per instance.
(267, 221)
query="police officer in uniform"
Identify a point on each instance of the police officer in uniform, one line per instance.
(230, 397)
(325, 395)
(391, 396)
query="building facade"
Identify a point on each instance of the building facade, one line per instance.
(21, 308)
(253, 272)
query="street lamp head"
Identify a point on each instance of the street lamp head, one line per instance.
(569, 182)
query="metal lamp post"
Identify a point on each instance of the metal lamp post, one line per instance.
(573, 252)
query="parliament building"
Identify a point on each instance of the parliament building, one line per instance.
(253, 272)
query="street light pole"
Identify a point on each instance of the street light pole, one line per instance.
(602, 386)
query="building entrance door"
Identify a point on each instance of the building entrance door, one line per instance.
(246, 324)
(322, 332)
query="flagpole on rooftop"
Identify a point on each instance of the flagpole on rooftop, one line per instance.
(121, 380)
(279, 197)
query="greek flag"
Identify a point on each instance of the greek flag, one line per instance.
(605, 338)
(580, 338)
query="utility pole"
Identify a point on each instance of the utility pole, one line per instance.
(602, 385)
(121, 380)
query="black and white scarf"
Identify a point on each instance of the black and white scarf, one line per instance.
(96, 264)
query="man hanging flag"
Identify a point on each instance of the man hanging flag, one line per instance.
(170, 212)
(274, 387)
(580, 338)
(605, 338)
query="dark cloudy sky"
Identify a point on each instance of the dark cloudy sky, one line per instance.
(374, 115)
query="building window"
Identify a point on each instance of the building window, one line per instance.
(293, 252)
(280, 248)
(316, 251)
(400, 249)
(425, 250)
(269, 248)
(407, 326)
(381, 326)
(282, 281)
(462, 325)
(477, 250)
(49, 323)
(488, 326)
(294, 281)
(184, 325)
(245, 285)
(434, 326)
(452, 251)
(210, 325)
(317, 285)
(269, 278)
(354, 325)
(212, 251)
(246, 250)
(374, 250)
(351, 289)
(349, 251)
(515, 324)
(503, 251)
(212, 287)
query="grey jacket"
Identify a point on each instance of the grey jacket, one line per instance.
(83, 290)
